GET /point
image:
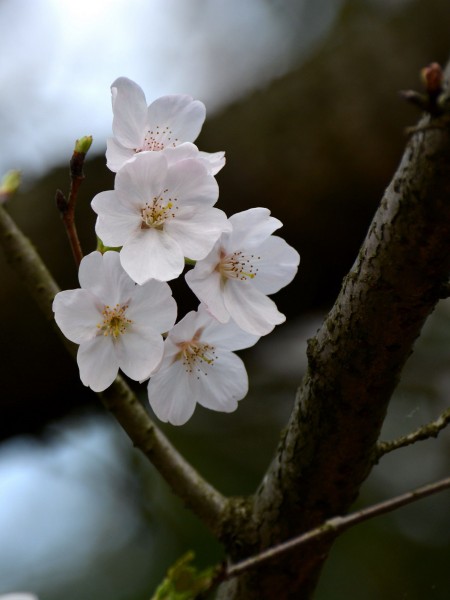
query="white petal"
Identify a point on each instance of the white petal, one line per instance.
(189, 181)
(152, 304)
(118, 220)
(224, 385)
(170, 396)
(209, 291)
(226, 336)
(251, 227)
(139, 350)
(98, 363)
(182, 331)
(77, 314)
(251, 309)
(181, 152)
(152, 254)
(142, 178)
(197, 230)
(180, 115)
(214, 161)
(119, 287)
(117, 155)
(91, 273)
(277, 265)
(130, 112)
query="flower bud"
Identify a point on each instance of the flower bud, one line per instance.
(10, 184)
(432, 78)
(83, 144)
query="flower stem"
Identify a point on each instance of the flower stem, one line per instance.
(67, 207)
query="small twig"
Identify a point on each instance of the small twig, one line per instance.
(67, 207)
(203, 499)
(422, 433)
(332, 527)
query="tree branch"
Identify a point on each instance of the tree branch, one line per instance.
(205, 501)
(355, 361)
(424, 432)
(336, 525)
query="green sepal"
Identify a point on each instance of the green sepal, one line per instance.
(102, 248)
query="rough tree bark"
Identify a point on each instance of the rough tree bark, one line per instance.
(355, 361)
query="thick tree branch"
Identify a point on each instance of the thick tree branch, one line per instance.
(424, 432)
(355, 361)
(206, 502)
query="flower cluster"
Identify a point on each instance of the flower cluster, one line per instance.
(160, 215)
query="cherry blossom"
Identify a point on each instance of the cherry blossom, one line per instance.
(244, 266)
(116, 323)
(166, 125)
(199, 367)
(160, 213)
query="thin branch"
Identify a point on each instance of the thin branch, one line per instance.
(204, 500)
(67, 207)
(334, 526)
(424, 432)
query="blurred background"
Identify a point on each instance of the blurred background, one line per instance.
(302, 96)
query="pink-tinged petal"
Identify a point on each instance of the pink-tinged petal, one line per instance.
(117, 221)
(181, 152)
(197, 230)
(152, 254)
(252, 310)
(224, 385)
(130, 112)
(214, 161)
(98, 363)
(118, 287)
(91, 274)
(177, 118)
(189, 181)
(152, 304)
(139, 350)
(209, 291)
(277, 265)
(170, 395)
(117, 155)
(142, 178)
(250, 228)
(182, 331)
(203, 268)
(228, 336)
(77, 314)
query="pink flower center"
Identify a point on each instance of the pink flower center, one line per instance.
(156, 212)
(157, 139)
(196, 356)
(115, 322)
(238, 265)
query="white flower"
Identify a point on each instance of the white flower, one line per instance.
(245, 265)
(166, 125)
(199, 366)
(117, 323)
(160, 214)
